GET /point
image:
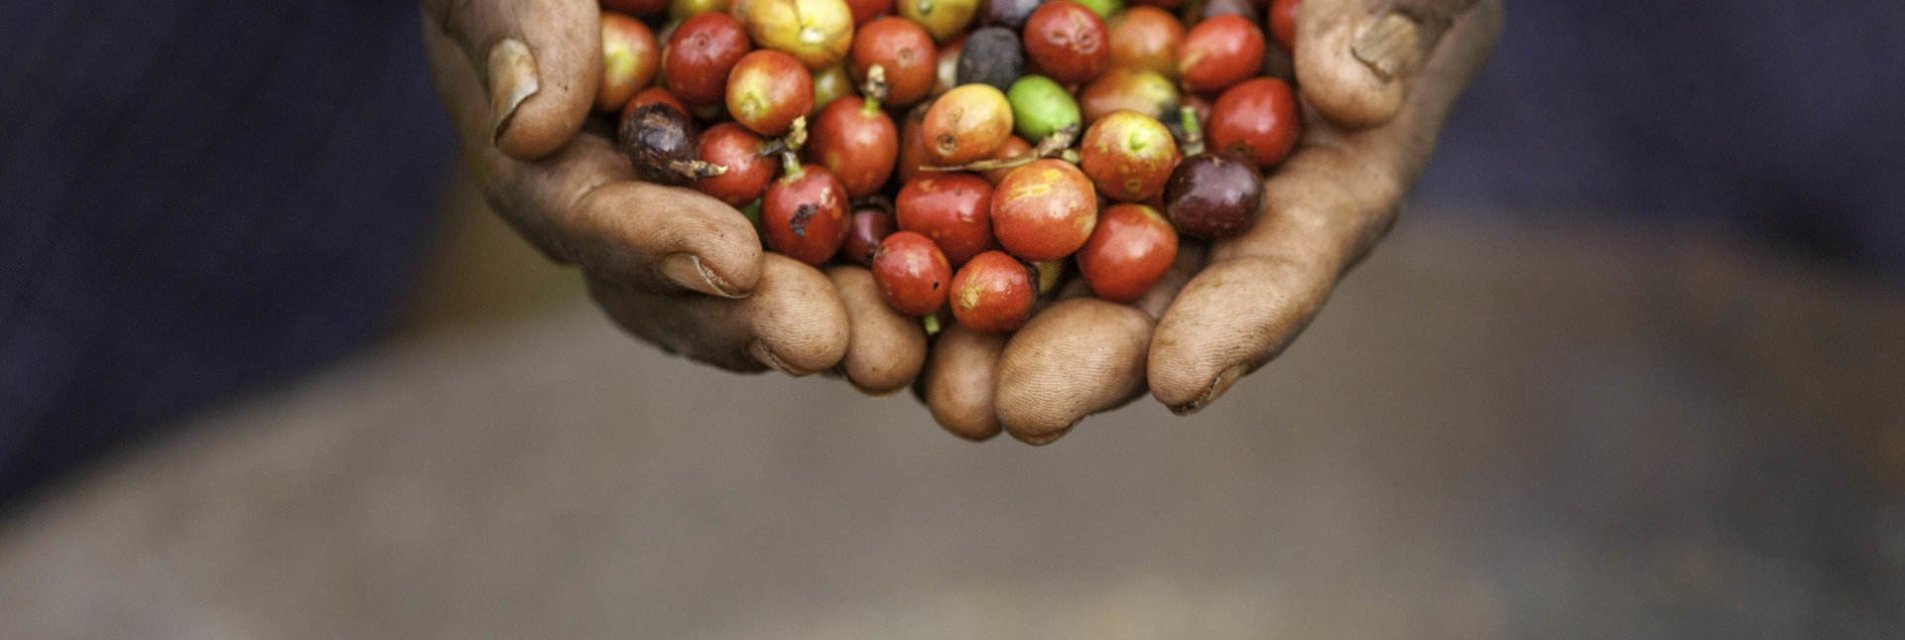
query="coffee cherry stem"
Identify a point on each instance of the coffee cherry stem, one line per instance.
(790, 165)
(696, 169)
(1193, 132)
(931, 323)
(1058, 145)
(792, 142)
(874, 90)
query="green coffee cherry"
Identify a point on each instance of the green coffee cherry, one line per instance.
(1104, 8)
(1040, 107)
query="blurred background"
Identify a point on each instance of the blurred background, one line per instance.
(1628, 366)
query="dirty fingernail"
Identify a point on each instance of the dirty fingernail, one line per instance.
(1217, 388)
(766, 356)
(686, 269)
(1389, 45)
(512, 79)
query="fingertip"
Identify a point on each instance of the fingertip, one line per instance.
(543, 76)
(958, 383)
(885, 349)
(695, 241)
(1076, 358)
(1235, 313)
(799, 323)
(721, 237)
(1216, 389)
(1333, 40)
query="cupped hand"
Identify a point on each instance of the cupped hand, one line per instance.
(1376, 78)
(673, 266)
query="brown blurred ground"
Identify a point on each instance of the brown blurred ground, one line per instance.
(1494, 431)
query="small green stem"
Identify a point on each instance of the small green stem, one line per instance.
(790, 165)
(1193, 132)
(874, 91)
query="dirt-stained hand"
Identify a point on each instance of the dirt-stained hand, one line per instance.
(1376, 78)
(673, 266)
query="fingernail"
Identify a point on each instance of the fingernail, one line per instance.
(686, 269)
(1389, 45)
(766, 356)
(1217, 388)
(512, 79)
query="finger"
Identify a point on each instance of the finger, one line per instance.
(1324, 208)
(1075, 358)
(794, 322)
(885, 349)
(1356, 59)
(1081, 356)
(959, 381)
(583, 205)
(538, 62)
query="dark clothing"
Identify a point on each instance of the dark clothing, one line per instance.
(1776, 119)
(197, 198)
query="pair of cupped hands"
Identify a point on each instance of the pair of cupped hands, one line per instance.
(682, 270)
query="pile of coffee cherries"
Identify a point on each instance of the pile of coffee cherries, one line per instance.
(967, 151)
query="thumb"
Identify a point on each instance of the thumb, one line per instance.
(1355, 59)
(539, 60)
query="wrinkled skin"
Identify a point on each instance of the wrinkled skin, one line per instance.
(670, 265)
(683, 271)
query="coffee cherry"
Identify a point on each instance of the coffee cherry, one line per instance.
(767, 90)
(1130, 251)
(816, 32)
(831, 84)
(1283, 23)
(1256, 119)
(953, 209)
(993, 293)
(1040, 107)
(855, 140)
(1213, 197)
(944, 19)
(966, 124)
(1220, 52)
(1008, 13)
(1128, 156)
(866, 228)
(912, 275)
(699, 55)
(739, 151)
(1145, 38)
(1145, 92)
(652, 95)
(1044, 210)
(660, 143)
(1067, 41)
(630, 58)
(805, 214)
(865, 11)
(904, 52)
(913, 145)
(991, 56)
